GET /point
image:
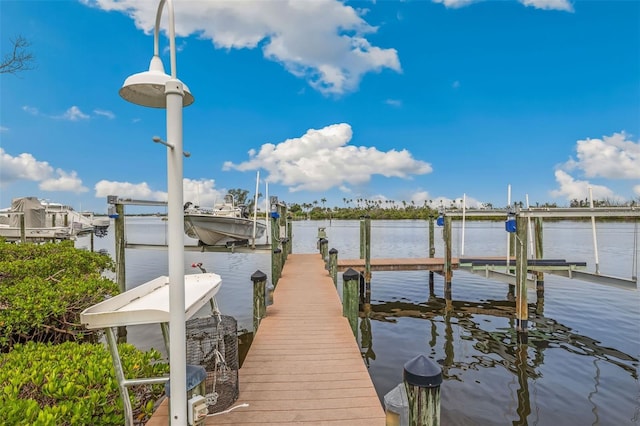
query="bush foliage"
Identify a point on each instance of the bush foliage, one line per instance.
(45, 287)
(74, 384)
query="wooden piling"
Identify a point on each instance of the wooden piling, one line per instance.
(362, 237)
(23, 229)
(276, 266)
(333, 265)
(289, 234)
(432, 250)
(259, 280)
(448, 269)
(120, 244)
(422, 380)
(539, 248)
(522, 311)
(275, 230)
(285, 249)
(350, 280)
(324, 244)
(367, 251)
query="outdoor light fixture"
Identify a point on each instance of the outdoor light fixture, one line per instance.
(156, 89)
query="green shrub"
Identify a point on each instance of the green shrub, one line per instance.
(45, 287)
(74, 384)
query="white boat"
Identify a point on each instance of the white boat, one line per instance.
(47, 221)
(81, 223)
(225, 223)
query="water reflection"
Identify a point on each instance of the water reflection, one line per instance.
(495, 346)
(543, 333)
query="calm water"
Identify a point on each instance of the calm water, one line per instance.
(580, 366)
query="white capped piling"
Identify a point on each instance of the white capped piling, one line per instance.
(422, 380)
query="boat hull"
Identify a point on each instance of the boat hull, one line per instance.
(212, 230)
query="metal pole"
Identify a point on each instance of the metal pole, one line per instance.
(593, 230)
(177, 332)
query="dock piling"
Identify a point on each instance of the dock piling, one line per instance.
(448, 269)
(276, 266)
(259, 280)
(333, 265)
(522, 311)
(422, 380)
(120, 244)
(350, 279)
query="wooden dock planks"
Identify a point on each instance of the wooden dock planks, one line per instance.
(304, 365)
(398, 264)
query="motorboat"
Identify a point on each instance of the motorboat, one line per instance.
(225, 223)
(81, 223)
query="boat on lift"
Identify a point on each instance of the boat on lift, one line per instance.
(225, 223)
(43, 221)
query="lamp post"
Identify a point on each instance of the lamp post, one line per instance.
(156, 89)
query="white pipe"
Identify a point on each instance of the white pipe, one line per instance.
(593, 230)
(464, 211)
(267, 207)
(174, 92)
(255, 209)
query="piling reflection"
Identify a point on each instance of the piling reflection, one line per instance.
(496, 347)
(544, 332)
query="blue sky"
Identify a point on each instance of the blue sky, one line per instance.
(405, 101)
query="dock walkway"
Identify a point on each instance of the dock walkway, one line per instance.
(304, 365)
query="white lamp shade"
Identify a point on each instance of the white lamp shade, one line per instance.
(148, 88)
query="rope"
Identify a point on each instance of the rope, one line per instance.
(228, 410)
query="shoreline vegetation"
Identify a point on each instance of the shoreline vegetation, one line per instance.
(408, 212)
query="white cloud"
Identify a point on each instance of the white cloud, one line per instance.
(571, 189)
(394, 102)
(564, 5)
(4, 129)
(200, 192)
(26, 167)
(108, 114)
(63, 181)
(322, 41)
(30, 110)
(455, 84)
(322, 159)
(455, 3)
(612, 157)
(139, 191)
(636, 190)
(73, 114)
(22, 167)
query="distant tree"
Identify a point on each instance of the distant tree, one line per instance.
(19, 59)
(240, 195)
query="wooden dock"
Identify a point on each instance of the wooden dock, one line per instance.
(304, 365)
(435, 264)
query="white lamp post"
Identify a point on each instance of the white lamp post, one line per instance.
(155, 89)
